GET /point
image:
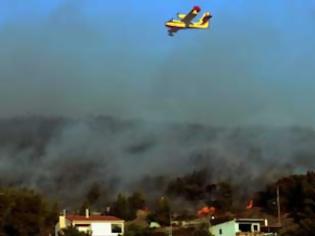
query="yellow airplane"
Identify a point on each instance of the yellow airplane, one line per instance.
(185, 21)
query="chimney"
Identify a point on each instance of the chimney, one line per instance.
(87, 213)
(107, 210)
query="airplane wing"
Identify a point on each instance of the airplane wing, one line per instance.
(190, 16)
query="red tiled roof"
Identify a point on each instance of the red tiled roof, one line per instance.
(92, 218)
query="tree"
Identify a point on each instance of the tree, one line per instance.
(25, 212)
(135, 202)
(136, 230)
(161, 213)
(126, 207)
(223, 196)
(92, 197)
(201, 232)
(192, 186)
(297, 194)
(120, 207)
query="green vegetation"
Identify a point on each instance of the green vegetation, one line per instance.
(72, 231)
(136, 230)
(126, 207)
(195, 187)
(191, 187)
(161, 212)
(24, 212)
(297, 200)
(91, 198)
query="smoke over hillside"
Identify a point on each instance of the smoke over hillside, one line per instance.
(64, 157)
(78, 58)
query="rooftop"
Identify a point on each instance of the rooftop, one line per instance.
(221, 220)
(92, 218)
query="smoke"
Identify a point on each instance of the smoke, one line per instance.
(64, 157)
(79, 58)
(84, 58)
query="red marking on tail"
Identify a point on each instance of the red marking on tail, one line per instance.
(196, 8)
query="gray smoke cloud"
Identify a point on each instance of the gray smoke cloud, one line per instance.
(64, 158)
(249, 68)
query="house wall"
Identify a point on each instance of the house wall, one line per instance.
(258, 227)
(97, 228)
(63, 223)
(231, 228)
(85, 229)
(101, 229)
(225, 229)
(104, 229)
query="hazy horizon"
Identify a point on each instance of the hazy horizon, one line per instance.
(254, 66)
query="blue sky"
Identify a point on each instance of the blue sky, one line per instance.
(79, 58)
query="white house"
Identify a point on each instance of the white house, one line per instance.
(97, 225)
(239, 227)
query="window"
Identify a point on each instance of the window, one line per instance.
(82, 225)
(220, 231)
(116, 228)
(255, 227)
(245, 227)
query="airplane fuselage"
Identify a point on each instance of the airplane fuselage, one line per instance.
(181, 25)
(185, 21)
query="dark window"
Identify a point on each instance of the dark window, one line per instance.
(116, 228)
(245, 227)
(220, 231)
(255, 228)
(82, 225)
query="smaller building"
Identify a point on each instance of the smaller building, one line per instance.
(96, 225)
(239, 227)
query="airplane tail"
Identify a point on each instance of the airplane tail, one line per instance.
(195, 10)
(204, 20)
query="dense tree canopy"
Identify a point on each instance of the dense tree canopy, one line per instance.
(126, 207)
(297, 201)
(195, 187)
(25, 212)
